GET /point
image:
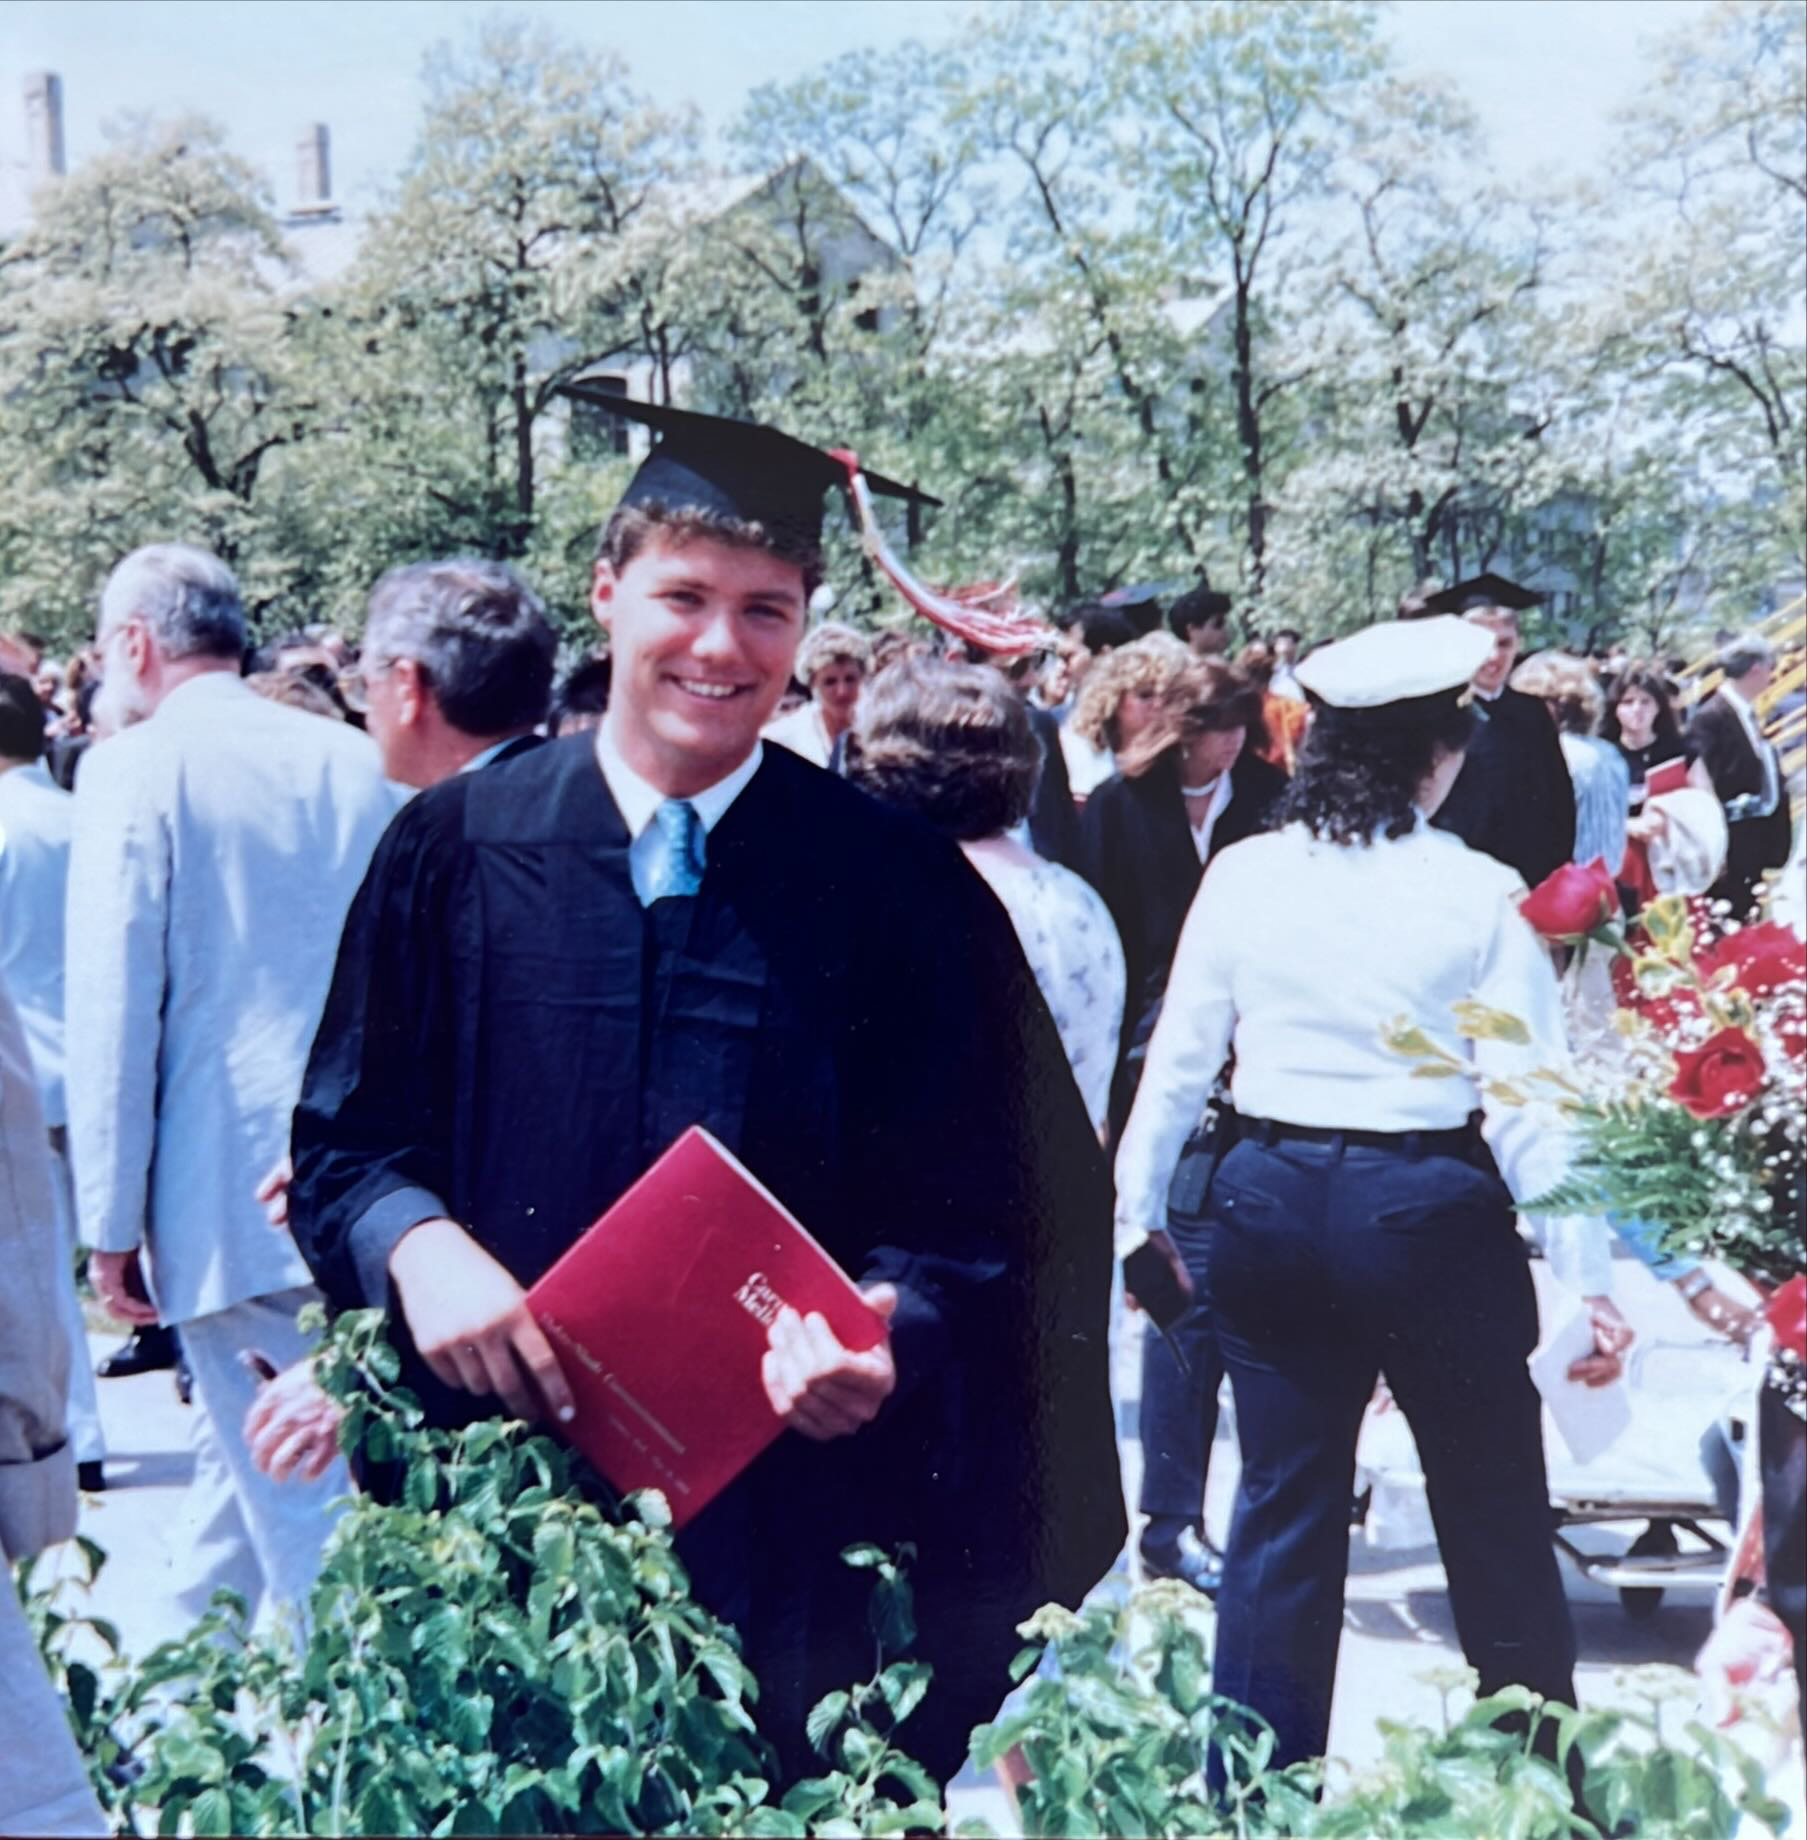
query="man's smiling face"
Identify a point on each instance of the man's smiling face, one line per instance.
(704, 635)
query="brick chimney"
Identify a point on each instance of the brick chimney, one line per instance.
(314, 169)
(44, 125)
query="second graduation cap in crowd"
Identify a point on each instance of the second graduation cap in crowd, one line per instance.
(759, 474)
(1486, 590)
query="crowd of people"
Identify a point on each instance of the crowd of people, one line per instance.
(377, 973)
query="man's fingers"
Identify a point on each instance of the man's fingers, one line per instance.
(507, 1381)
(471, 1375)
(287, 1453)
(882, 1298)
(536, 1355)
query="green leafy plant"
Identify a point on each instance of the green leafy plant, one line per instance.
(506, 1648)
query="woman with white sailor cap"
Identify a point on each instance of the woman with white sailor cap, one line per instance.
(1358, 1221)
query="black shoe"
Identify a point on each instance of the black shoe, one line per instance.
(1187, 1556)
(148, 1349)
(91, 1477)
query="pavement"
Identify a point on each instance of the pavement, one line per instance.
(1397, 1630)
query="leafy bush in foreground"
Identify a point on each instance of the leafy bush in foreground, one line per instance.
(498, 1653)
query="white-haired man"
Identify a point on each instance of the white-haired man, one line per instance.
(219, 839)
(1745, 771)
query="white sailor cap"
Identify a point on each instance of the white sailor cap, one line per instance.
(1398, 661)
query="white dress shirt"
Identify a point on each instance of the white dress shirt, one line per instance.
(217, 849)
(1299, 955)
(1221, 791)
(36, 816)
(637, 799)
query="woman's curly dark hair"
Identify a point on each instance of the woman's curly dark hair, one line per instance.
(1360, 770)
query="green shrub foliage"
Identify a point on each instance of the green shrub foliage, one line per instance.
(507, 1648)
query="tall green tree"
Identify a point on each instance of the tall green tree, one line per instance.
(530, 240)
(155, 363)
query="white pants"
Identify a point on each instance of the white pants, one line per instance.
(82, 1420)
(240, 1530)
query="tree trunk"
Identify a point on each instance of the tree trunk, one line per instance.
(523, 454)
(1248, 429)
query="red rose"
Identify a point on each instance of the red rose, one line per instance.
(1724, 1073)
(1764, 958)
(1570, 902)
(1786, 1314)
(1667, 1014)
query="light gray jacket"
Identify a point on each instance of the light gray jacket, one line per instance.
(36, 815)
(43, 1787)
(217, 848)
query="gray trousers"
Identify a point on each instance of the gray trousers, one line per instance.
(83, 1421)
(240, 1530)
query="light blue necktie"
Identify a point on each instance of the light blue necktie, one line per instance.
(677, 866)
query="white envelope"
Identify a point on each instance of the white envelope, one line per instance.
(1590, 1418)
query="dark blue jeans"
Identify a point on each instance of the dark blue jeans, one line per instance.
(1324, 1266)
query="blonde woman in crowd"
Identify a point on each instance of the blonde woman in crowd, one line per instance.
(1119, 700)
(833, 661)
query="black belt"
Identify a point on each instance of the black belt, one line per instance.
(1457, 1140)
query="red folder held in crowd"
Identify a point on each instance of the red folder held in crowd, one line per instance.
(659, 1317)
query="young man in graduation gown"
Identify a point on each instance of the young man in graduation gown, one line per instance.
(558, 965)
(1514, 799)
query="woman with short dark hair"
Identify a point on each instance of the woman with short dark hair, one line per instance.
(1349, 1217)
(953, 744)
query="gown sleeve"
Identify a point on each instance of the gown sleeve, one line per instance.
(373, 1132)
(982, 1173)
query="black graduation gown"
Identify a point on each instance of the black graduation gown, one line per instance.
(1513, 798)
(1136, 849)
(1053, 817)
(511, 1039)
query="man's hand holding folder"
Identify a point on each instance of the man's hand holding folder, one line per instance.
(470, 1321)
(820, 1388)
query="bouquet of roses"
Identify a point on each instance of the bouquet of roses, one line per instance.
(1698, 1125)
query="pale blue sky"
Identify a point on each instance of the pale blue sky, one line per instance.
(1544, 75)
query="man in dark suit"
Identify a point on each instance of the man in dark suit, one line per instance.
(1514, 799)
(1746, 773)
(1189, 789)
(456, 670)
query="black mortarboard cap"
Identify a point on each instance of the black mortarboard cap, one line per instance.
(739, 469)
(1486, 590)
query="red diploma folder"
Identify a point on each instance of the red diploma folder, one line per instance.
(659, 1317)
(1671, 776)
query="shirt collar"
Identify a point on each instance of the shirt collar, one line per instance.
(477, 761)
(637, 799)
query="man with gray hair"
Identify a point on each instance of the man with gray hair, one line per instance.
(1746, 773)
(456, 670)
(218, 841)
